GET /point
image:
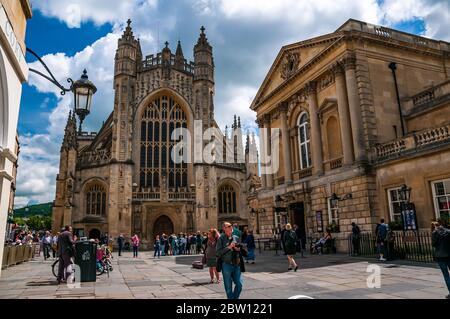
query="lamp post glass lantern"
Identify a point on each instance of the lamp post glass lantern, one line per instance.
(83, 90)
(405, 193)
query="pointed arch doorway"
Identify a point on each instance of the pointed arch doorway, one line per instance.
(163, 225)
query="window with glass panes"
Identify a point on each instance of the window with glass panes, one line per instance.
(96, 200)
(304, 141)
(159, 119)
(395, 204)
(441, 196)
(333, 212)
(278, 220)
(227, 199)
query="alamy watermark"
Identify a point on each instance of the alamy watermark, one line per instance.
(211, 146)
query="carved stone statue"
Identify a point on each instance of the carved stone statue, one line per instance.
(254, 182)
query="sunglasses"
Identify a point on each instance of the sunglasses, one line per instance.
(228, 226)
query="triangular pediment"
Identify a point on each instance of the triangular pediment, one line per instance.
(289, 60)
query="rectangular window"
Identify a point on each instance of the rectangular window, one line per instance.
(395, 202)
(333, 212)
(441, 199)
(278, 220)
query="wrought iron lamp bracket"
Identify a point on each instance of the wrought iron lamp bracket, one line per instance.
(51, 78)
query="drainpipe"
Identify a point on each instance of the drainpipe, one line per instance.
(393, 67)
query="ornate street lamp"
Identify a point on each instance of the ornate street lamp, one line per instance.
(334, 198)
(82, 89)
(405, 193)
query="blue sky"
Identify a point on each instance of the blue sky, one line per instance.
(246, 36)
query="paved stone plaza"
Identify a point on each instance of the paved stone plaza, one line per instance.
(321, 277)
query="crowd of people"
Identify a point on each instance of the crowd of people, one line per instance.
(226, 251)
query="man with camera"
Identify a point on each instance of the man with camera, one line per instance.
(230, 260)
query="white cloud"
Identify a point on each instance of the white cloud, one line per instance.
(238, 101)
(38, 166)
(75, 12)
(434, 13)
(299, 13)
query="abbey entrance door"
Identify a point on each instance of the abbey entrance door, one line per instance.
(163, 225)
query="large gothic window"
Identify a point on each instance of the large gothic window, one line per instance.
(304, 141)
(96, 200)
(227, 199)
(159, 119)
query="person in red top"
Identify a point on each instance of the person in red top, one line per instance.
(135, 242)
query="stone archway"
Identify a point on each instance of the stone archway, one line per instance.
(94, 233)
(163, 225)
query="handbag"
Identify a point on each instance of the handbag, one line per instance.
(204, 259)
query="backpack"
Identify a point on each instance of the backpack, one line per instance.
(382, 232)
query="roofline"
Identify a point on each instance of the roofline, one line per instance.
(311, 41)
(342, 28)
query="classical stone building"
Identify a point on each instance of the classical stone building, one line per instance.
(124, 179)
(13, 72)
(345, 147)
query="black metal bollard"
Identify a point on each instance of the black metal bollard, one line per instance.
(276, 247)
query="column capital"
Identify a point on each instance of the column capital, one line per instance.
(311, 88)
(337, 68)
(266, 118)
(260, 122)
(283, 107)
(349, 61)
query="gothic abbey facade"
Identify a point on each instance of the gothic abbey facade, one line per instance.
(123, 179)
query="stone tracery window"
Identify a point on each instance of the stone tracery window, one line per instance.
(304, 140)
(227, 199)
(96, 200)
(158, 121)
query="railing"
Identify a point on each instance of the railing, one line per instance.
(305, 172)
(275, 244)
(410, 245)
(432, 136)
(426, 98)
(387, 149)
(97, 157)
(147, 195)
(16, 254)
(423, 97)
(333, 163)
(383, 32)
(152, 61)
(413, 142)
(181, 196)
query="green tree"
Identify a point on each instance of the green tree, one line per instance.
(37, 222)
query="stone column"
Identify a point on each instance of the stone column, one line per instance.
(260, 123)
(316, 137)
(349, 62)
(344, 116)
(269, 177)
(286, 145)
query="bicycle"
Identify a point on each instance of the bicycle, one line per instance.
(104, 265)
(55, 266)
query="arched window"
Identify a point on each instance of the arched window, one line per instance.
(158, 121)
(304, 141)
(227, 199)
(96, 200)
